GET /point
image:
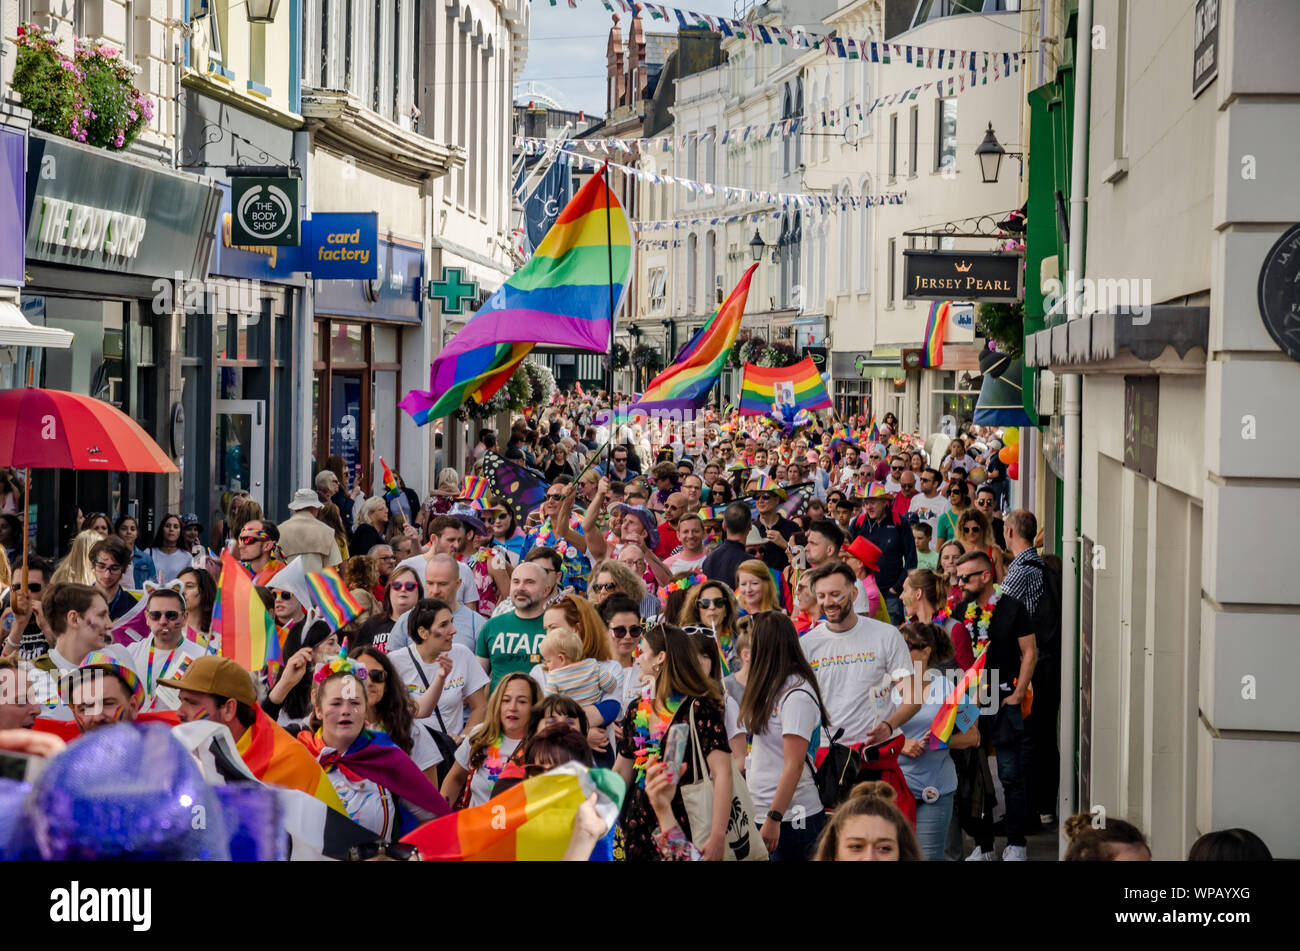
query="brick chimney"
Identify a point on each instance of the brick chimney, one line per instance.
(636, 76)
(615, 82)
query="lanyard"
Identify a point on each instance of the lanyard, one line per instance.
(162, 672)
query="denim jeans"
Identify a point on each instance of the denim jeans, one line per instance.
(932, 821)
(1007, 734)
(894, 605)
(796, 844)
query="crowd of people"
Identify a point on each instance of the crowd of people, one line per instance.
(756, 628)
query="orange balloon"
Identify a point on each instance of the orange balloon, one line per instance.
(1008, 454)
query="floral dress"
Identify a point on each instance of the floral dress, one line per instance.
(638, 822)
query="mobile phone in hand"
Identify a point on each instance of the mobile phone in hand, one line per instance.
(675, 749)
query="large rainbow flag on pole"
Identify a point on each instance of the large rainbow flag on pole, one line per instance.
(247, 630)
(532, 821)
(686, 384)
(800, 383)
(561, 296)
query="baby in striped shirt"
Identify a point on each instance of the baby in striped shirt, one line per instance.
(567, 672)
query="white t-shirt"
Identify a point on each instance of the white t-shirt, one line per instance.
(856, 671)
(467, 624)
(481, 783)
(368, 804)
(466, 677)
(731, 715)
(467, 593)
(167, 665)
(794, 714)
(930, 511)
(169, 566)
(424, 752)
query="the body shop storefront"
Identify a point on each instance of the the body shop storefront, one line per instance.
(362, 330)
(108, 240)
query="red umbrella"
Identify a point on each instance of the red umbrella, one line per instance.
(53, 429)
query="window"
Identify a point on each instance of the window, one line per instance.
(257, 53)
(692, 169)
(712, 282)
(711, 156)
(911, 246)
(893, 148)
(893, 255)
(692, 271)
(914, 123)
(787, 142)
(845, 216)
(864, 237)
(945, 134)
(658, 278)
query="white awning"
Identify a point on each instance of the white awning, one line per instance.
(15, 331)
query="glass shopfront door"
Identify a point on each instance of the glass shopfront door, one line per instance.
(241, 448)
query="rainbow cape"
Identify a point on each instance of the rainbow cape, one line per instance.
(247, 630)
(532, 821)
(561, 296)
(277, 759)
(932, 352)
(759, 387)
(336, 603)
(686, 384)
(961, 709)
(391, 489)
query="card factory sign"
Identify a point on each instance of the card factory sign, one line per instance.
(962, 275)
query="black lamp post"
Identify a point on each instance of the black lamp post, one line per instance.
(757, 246)
(261, 11)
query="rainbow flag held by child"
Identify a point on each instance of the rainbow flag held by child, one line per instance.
(529, 822)
(335, 602)
(391, 488)
(247, 629)
(961, 709)
(799, 385)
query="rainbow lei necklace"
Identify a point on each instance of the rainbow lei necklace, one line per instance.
(492, 762)
(651, 726)
(939, 616)
(981, 628)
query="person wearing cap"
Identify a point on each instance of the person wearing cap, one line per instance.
(864, 558)
(896, 544)
(102, 691)
(191, 533)
(218, 689)
(303, 535)
(772, 524)
(166, 652)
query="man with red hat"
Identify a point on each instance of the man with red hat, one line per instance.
(864, 558)
(895, 542)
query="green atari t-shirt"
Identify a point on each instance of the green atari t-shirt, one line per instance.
(510, 645)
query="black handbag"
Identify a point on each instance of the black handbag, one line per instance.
(441, 738)
(839, 771)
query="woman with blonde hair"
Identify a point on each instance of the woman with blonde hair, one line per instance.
(925, 600)
(330, 515)
(577, 614)
(484, 753)
(949, 553)
(755, 589)
(868, 827)
(976, 534)
(614, 577)
(75, 566)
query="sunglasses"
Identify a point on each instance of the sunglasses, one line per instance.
(962, 579)
(399, 852)
(971, 530)
(169, 615)
(283, 595)
(498, 516)
(603, 587)
(765, 496)
(633, 631)
(555, 498)
(712, 602)
(34, 587)
(249, 539)
(399, 586)
(895, 468)
(377, 675)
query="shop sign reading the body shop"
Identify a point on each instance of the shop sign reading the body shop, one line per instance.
(69, 224)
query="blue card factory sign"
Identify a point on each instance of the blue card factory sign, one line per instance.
(344, 246)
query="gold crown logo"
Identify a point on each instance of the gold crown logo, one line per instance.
(963, 267)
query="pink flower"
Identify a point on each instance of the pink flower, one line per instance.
(107, 52)
(21, 31)
(67, 64)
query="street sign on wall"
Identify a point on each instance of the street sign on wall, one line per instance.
(1205, 45)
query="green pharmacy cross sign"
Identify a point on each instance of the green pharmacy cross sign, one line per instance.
(453, 290)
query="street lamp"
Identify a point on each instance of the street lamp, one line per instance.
(261, 11)
(757, 246)
(990, 153)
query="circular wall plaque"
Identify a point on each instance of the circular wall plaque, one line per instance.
(1279, 293)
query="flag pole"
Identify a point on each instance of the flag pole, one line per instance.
(609, 249)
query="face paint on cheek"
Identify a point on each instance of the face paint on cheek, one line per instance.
(201, 715)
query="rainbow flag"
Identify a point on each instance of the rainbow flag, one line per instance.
(961, 709)
(391, 489)
(247, 630)
(532, 821)
(800, 382)
(783, 593)
(333, 599)
(935, 326)
(873, 431)
(561, 296)
(686, 384)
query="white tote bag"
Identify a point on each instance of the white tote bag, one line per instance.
(744, 843)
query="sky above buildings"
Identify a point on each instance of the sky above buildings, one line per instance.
(566, 49)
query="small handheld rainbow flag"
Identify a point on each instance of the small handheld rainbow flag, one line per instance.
(247, 630)
(873, 433)
(532, 821)
(961, 709)
(800, 384)
(935, 326)
(391, 489)
(336, 603)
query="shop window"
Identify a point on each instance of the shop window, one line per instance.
(385, 345)
(239, 336)
(347, 343)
